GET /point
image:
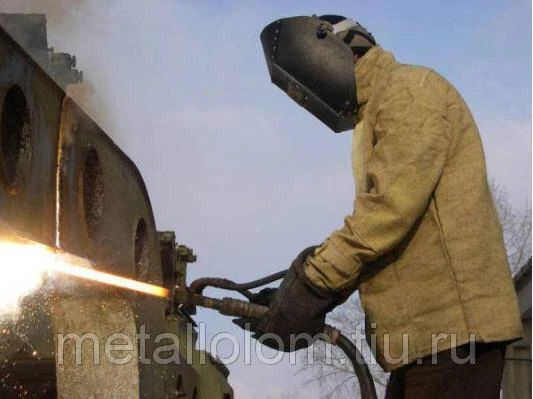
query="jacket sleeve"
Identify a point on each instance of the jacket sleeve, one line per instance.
(411, 141)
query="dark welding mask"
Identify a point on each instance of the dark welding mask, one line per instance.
(311, 59)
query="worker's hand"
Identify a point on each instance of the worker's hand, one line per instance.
(263, 297)
(297, 311)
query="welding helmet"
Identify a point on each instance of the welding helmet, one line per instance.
(312, 60)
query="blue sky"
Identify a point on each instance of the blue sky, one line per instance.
(242, 174)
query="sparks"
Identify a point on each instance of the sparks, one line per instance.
(73, 266)
(24, 269)
(26, 263)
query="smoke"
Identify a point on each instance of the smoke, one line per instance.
(68, 22)
(58, 12)
(121, 47)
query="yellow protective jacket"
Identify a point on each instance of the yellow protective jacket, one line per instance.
(424, 245)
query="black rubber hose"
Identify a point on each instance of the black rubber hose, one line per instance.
(239, 308)
(197, 286)
(366, 382)
(360, 367)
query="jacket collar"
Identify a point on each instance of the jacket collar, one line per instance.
(370, 70)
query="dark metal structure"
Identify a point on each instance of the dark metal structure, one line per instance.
(29, 30)
(64, 183)
(517, 373)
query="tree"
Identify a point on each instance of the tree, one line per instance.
(516, 226)
(333, 374)
(336, 379)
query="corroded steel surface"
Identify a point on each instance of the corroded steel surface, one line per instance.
(65, 183)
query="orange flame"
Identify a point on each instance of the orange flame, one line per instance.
(26, 263)
(65, 264)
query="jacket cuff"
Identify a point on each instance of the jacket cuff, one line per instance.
(330, 269)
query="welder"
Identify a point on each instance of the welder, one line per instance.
(423, 245)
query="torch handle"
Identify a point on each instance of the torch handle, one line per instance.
(226, 306)
(236, 307)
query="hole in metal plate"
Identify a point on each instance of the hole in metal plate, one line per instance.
(15, 140)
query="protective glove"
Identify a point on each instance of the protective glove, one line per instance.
(296, 307)
(263, 297)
